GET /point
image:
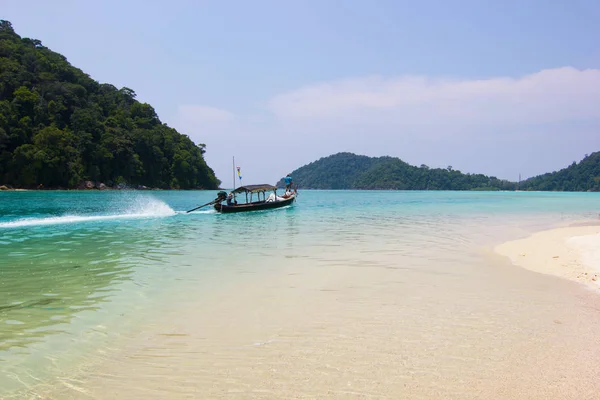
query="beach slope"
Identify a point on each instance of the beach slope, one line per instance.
(571, 253)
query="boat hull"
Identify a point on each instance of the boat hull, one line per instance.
(256, 206)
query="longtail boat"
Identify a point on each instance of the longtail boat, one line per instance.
(229, 204)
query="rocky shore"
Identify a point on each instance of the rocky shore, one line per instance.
(85, 185)
(90, 185)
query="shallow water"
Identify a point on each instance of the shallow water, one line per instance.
(344, 294)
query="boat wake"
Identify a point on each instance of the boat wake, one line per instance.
(210, 211)
(142, 208)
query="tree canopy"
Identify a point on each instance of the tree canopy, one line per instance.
(59, 127)
(351, 171)
(577, 177)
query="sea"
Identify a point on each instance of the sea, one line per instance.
(344, 294)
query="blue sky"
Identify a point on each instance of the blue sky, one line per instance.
(498, 87)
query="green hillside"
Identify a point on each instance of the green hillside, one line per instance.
(59, 127)
(578, 177)
(351, 171)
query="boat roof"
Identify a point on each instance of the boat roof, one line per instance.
(254, 188)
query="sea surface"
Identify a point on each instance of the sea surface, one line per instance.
(344, 294)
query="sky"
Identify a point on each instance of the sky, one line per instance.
(496, 87)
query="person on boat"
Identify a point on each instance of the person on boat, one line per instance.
(288, 183)
(230, 199)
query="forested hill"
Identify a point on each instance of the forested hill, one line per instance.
(351, 171)
(59, 127)
(578, 177)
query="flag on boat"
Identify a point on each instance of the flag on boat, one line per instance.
(239, 173)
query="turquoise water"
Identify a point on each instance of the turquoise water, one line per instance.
(79, 269)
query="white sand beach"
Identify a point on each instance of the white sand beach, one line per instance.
(571, 253)
(337, 302)
(371, 321)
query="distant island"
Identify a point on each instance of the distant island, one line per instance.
(351, 171)
(61, 129)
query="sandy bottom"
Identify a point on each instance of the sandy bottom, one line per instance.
(571, 253)
(382, 327)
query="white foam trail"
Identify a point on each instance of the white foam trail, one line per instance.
(151, 208)
(198, 212)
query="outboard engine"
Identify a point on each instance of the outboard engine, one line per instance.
(221, 196)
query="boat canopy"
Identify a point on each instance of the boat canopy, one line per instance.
(254, 188)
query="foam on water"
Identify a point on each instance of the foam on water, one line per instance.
(210, 211)
(139, 208)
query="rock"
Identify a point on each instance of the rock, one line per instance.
(86, 185)
(3, 187)
(101, 186)
(555, 257)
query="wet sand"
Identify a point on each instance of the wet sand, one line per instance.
(571, 253)
(358, 324)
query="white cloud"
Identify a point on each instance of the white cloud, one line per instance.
(548, 96)
(545, 121)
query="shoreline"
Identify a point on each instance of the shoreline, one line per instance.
(571, 252)
(9, 188)
(333, 322)
(378, 317)
(94, 186)
(107, 189)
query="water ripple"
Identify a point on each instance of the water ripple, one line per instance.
(73, 261)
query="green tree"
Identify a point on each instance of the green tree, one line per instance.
(58, 126)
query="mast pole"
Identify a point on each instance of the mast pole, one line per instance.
(233, 172)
